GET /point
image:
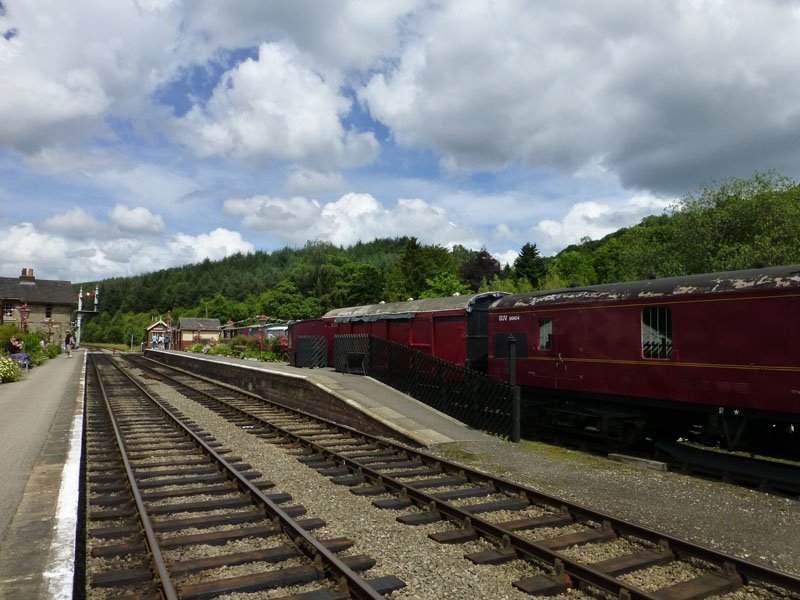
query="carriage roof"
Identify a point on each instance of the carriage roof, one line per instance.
(707, 283)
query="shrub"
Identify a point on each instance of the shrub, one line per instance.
(196, 348)
(239, 340)
(251, 354)
(279, 348)
(52, 350)
(221, 349)
(9, 370)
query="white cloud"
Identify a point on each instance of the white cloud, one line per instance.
(55, 90)
(76, 222)
(502, 232)
(306, 181)
(665, 95)
(87, 258)
(276, 107)
(352, 218)
(340, 35)
(136, 220)
(26, 247)
(285, 218)
(58, 159)
(506, 258)
(593, 220)
(215, 245)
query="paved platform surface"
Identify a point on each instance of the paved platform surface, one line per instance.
(40, 431)
(396, 410)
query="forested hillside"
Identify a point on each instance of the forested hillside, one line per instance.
(735, 225)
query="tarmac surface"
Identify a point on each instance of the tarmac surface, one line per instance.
(40, 434)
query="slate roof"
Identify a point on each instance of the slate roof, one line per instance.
(42, 291)
(192, 324)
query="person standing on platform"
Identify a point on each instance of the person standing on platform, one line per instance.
(68, 344)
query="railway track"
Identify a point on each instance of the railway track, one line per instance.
(167, 506)
(514, 522)
(782, 478)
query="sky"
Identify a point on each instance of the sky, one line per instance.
(137, 135)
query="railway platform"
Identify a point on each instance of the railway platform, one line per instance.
(372, 399)
(40, 433)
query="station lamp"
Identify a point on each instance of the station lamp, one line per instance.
(24, 313)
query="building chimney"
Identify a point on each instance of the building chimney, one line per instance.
(27, 276)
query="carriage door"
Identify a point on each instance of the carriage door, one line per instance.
(568, 339)
(478, 337)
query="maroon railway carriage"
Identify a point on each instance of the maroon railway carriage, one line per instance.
(454, 328)
(719, 350)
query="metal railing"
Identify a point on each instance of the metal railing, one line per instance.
(312, 351)
(464, 394)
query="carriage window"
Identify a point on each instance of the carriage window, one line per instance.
(656, 332)
(545, 334)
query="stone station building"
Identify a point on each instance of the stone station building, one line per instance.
(43, 305)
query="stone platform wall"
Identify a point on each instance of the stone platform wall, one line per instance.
(294, 391)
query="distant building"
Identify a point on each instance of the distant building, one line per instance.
(158, 328)
(50, 302)
(194, 331)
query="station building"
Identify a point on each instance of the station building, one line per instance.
(194, 331)
(37, 305)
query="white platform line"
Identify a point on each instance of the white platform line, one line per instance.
(60, 571)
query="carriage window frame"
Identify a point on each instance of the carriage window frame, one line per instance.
(656, 329)
(545, 334)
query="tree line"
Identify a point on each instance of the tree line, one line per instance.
(738, 224)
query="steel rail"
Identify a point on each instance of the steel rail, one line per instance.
(345, 577)
(160, 567)
(744, 568)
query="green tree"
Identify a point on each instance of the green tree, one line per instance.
(444, 284)
(417, 264)
(481, 267)
(738, 224)
(512, 285)
(529, 264)
(575, 268)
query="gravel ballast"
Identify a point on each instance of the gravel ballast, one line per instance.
(749, 524)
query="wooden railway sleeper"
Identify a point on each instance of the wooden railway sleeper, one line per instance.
(346, 567)
(583, 574)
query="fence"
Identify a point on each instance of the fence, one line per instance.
(464, 394)
(312, 351)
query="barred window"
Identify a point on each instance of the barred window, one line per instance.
(545, 334)
(656, 332)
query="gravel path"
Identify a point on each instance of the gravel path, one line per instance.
(749, 524)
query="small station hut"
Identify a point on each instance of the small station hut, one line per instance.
(193, 331)
(159, 328)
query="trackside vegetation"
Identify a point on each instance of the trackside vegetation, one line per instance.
(737, 224)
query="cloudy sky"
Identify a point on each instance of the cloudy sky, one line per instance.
(141, 134)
